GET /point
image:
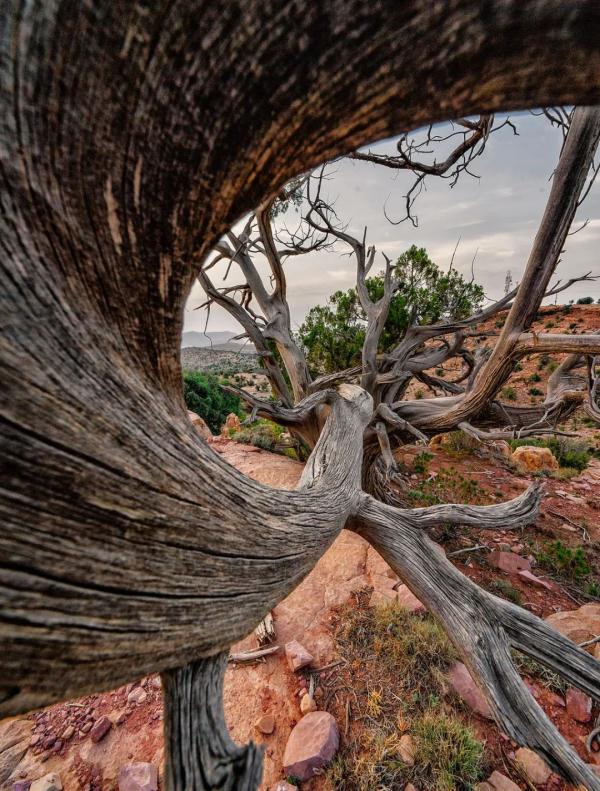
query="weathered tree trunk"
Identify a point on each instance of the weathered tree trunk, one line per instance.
(127, 546)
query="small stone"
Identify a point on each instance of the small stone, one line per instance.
(138, 776)
(21, 785)
(266, 724)
(531, 579)
(534, 767)
(508, 562)
(518, 548)
(464, 686)
(156, 682)
(49, 782)
(579, 705)
(68, 733)
(307, 704)
(48, 742)
(410, 787)
(57, 745)
(407, 749)
(100, 729)
(500, 782)
(86, 727)
(121, 718)
(297, 656)
(311, 745)
(137, 695)
(408, 601)
(283, 785)
(35, 739)
(504, 547)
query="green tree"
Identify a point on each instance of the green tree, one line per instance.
(333, 334)
(204, 395)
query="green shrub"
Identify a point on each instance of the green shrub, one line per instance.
(262, 433)
(421, 462)
(535, 377)
(585, 301)
(535, 391)
(557, 557)
(509, 393)
(204, 395)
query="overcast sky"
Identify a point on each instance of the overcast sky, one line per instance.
(495, 217)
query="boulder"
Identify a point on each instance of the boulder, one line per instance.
(407, 749)
(509, 562)
(579, 625)
(500, 447)
(537, 582)
(200, 425)
(311, 745)
(265, 724)
(464, 686)
(231, 425)
(297, 656)
(536, 769)
(579, 705)
(49, 782)
(408, 600)
(100, 728)
(532, 459)
(139, 776)
(15, 735)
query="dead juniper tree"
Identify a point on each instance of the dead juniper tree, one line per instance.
(133, 137)
(470, 402)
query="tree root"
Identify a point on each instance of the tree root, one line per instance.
(484, 628)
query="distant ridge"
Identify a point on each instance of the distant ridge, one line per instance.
(217, 341)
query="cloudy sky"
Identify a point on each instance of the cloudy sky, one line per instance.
(495, 217)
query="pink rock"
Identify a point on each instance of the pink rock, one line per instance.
(500, 782)
(509, 562)
(100, 729)
(138, 777)
(311, 745)
(297, 656)
(266, 724)
(137, 695)
(283, 785)
(408, 600)
(464, 686)
(534, 767)
(579, 705)
(21, 785)
(530, 578)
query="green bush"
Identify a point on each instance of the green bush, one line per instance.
(585, 301)
(204, 395)
(561, 559)
(509, 393)
(262, 433)
(535, 391)
(421, 461)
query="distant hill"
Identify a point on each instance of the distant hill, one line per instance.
(219, 361)
(217, 341)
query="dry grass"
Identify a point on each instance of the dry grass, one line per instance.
(397, 664)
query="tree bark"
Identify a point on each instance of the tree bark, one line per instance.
(127, 546)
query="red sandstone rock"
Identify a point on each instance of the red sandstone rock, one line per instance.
(531, 579)
(508, 562)
(464, 686)
(266, 724)
(100, 729)
(579, 705)
(311, 745)
(297, 656)
(534, 767)
(138, 777)
(500, 782)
